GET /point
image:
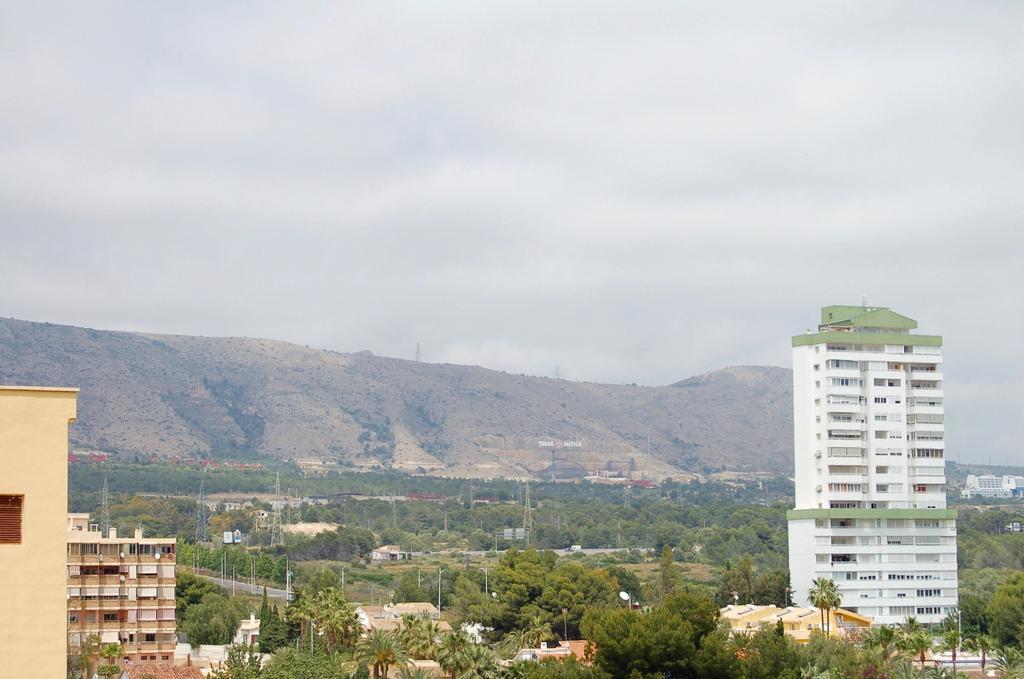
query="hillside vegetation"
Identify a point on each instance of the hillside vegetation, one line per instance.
(236, 397)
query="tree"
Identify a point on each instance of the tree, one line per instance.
(242, 662)
(767, 655)
(679, 638)
(1006, 611)
(453, 653)
(381, 650)
(287, 663)
(480, 663)
(982, 644)
(668, 571)
(824, 595)
(420, 636)
(273, 629)
(1010, 662)
(88, 654)
(336, 618)
(918, 643)
(884, 639)
(113, 654)
(950, 641)
(321, 580)
(213, 621)
(190, 589)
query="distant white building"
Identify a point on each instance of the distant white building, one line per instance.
(989, 485)
(390, 553)
(870, 477)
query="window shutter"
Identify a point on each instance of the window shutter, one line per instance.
(10, 519)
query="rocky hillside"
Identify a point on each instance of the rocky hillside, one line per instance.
(236, 397)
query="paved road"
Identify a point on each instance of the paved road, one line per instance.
(593, 550)
(272, 592)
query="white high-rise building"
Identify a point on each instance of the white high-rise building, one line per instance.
(870, 468)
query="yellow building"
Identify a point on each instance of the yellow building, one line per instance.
(33, 510)
(797, 622)
(120, 589)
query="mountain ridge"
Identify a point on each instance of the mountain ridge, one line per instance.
(170, 394)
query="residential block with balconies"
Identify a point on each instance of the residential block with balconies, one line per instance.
(870, 478)
(121, 589)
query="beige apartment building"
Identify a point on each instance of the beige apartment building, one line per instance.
(120, 589)
(33, 509)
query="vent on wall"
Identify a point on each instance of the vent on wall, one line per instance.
(10, 519)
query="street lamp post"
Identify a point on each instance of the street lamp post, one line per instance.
(486, 590)
(439, 571)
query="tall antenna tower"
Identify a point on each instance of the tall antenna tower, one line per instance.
(202, 520)
(417, 352)
(276, 530)
(527, 514)
(105, 510)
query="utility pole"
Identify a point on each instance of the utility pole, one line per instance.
(439, 571)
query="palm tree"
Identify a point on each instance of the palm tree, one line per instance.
(480, 663)
(981, 644)
(824, 595)
(420, 636)
(912, 625)
(513, 642)
(302, 612)
(416, 673)
(740, 644)
(917, 643)
(382, 650)
(886, 639)
(337, 618)
(453, 653)
(537, 632)
(113, 654)
(950, 641)
(1010, 662)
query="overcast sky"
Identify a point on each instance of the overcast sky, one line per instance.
(635, 192)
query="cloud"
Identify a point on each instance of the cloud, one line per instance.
(632, 194)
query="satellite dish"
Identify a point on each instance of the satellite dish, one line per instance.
(157, 556)
(624, 596)
(494, 595)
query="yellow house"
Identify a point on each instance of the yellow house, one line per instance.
(797, 622)
(33, 515)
